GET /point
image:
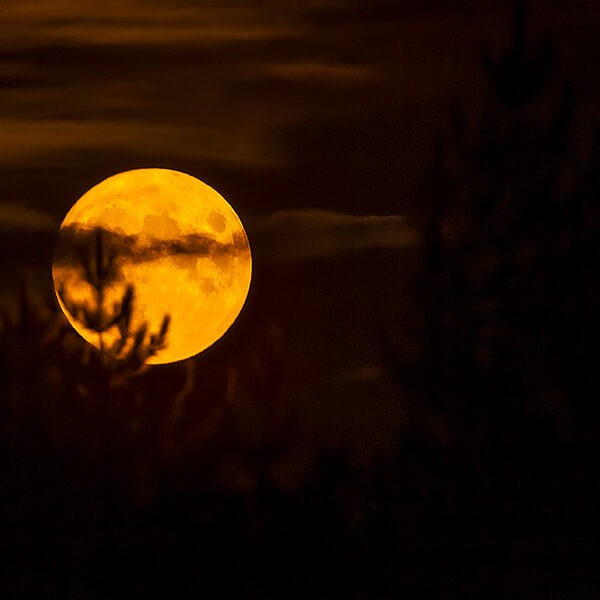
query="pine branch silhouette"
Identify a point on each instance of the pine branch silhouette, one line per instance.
(101, 270)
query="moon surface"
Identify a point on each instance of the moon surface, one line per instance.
(174, 239)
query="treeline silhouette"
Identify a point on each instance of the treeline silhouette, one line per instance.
(113, 486)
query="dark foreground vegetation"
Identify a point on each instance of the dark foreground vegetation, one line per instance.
(119, 482)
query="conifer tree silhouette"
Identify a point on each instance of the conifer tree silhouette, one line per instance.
(100, 267)
(506, 255)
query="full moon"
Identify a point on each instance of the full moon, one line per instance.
(160, 243)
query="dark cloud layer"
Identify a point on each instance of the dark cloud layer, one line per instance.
(290, 236)
(282, 237)
(77, 245)
(248, 93)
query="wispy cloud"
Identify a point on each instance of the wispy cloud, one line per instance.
(134, 22)
(318, 71)
(304, 234)
(207, 81)
(52, 141)
(284, 236)
(17, 217)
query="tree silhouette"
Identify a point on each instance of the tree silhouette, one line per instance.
(100, 266)
(506, 257)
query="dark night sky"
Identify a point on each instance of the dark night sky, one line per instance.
(313, 119)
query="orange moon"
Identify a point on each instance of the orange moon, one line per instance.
(172, 238)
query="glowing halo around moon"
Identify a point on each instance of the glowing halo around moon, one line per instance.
(175, 240)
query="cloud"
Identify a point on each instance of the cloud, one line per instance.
(135, 22)
(284, 236)
(318, 71)
(210, 81)
(17, 217)
(77, 244)
(53, 141)
(149, 79)
(295, 235)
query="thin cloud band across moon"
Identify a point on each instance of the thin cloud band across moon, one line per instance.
(152, 257)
